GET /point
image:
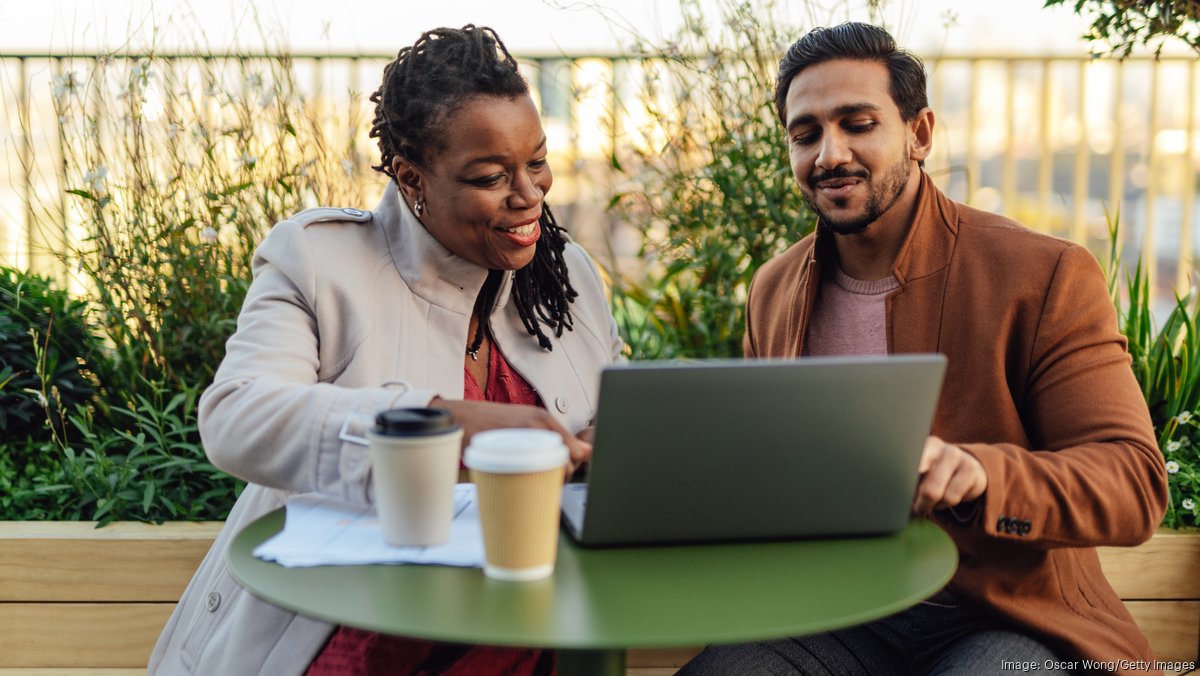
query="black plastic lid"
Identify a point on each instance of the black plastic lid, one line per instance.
(414, 422)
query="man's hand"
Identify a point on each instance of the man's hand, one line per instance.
(479, 416)
(949, 477)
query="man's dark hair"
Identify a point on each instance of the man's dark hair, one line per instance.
(859, 42)
(421, 89)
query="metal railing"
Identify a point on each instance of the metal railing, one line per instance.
(1061, 144)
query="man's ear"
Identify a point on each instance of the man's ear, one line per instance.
(408, 178)
(920, 135)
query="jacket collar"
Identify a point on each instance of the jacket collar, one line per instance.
(914, 311)
(431, 270)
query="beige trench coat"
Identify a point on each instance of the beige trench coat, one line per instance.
(350, 312)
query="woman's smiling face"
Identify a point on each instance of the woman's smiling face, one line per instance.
(484, 182)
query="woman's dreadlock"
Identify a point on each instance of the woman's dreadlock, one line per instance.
(421, 88)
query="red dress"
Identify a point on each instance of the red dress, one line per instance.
(354, 652)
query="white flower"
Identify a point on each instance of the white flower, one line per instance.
(254, 81)
(1189, 504)
(1184, 417)
(208, 234)
(67, 83)
(247, 160)
(1172, 467)
(94, 178)
(267, 98)
(1173, 446)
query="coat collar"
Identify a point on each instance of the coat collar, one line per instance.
(914, 312)
(431, 270)
(929, 245)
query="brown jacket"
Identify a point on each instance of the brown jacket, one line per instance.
(1038, 389)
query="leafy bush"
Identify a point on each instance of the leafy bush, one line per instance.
(1124, 24)
(151, 468)
(176, 169)
(717, 199)
(48, 354)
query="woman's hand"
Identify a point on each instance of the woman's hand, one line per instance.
(480, 416)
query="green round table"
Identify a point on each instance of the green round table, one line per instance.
(601, 601)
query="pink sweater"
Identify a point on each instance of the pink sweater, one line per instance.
(848, 316)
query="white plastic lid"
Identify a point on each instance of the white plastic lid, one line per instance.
(516, 451)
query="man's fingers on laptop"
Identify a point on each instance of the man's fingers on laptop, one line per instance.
(949, 476)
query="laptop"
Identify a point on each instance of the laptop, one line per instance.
(721, 450)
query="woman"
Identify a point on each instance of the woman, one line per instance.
(459, 291)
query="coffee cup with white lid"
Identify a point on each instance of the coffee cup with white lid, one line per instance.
(518, 475)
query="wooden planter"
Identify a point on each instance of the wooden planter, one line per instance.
(82, 599)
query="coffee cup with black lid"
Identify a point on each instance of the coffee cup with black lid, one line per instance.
(414, 456)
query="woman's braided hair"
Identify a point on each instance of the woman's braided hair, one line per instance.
(421, 89)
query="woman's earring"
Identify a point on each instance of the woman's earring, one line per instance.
(419, 206)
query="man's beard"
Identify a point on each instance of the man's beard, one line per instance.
(879, 199)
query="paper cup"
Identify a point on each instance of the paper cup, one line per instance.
(414, 458)
(518, 475)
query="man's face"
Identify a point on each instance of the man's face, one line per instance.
(851, 152)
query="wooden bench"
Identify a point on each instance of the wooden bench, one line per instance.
(81, 601)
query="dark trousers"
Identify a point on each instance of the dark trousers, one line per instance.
(930, 638)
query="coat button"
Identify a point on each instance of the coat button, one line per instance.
(353, 212)
(214, 601)
(561, 404)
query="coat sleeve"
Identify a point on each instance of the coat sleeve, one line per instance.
(1095, 475)
(267, 417)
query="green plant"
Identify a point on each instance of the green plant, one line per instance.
(48, 358)
(149, 467)
(1166, 363)
(1125, 24)
(709, 183)
(177, 170)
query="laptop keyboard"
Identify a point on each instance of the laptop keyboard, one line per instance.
(574, 502)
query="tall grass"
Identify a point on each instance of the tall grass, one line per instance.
(175, 170)
(176, 175)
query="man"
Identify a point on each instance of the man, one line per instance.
(1043, 448)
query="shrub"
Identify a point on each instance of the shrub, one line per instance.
(176, 169)
(150, 467)
(48, 357)
(717, 199)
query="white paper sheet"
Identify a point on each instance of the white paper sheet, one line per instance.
(324, 531)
